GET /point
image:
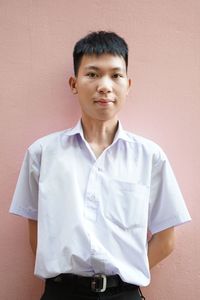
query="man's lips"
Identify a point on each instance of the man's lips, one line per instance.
(103, 100)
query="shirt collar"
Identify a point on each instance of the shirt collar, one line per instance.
(120, 134)
(78, 129)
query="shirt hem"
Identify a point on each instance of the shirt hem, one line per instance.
(170, 223)
(24, 213)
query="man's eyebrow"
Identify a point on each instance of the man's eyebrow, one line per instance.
(98, 69)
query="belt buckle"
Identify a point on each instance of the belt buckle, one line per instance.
(99, 283)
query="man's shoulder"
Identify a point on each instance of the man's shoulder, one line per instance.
(141, 140)
(47, 138)
(50, 141)
(147, 146)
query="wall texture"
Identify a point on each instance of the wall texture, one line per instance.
(36, 43)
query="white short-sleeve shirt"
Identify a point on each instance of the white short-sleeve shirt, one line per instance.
(94, 213)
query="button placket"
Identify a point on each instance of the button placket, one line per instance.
(91, 201)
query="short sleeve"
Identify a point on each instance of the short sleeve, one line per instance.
(25, 198)
(167, 206)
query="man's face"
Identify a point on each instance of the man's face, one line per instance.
(102, 86)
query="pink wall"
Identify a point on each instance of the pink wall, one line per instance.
(36, 42)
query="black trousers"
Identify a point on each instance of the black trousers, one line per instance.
(72, 291)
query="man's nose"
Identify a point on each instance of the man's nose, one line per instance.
(104, 85)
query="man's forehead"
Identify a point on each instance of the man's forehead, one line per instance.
(107, 61)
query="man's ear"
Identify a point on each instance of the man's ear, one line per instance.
(129, 85)
(72, 84)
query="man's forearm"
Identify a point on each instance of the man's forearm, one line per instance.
(160, 246)
(32, 225)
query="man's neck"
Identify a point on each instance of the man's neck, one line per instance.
(99, 134)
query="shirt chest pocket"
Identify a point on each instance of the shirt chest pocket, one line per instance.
(127, 204)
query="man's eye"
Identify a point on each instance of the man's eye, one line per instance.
(117, 75)
(92, 75)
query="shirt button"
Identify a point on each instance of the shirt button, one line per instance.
(99, 169)
(92, 197)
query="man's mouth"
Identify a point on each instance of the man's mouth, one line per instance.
(104, 101)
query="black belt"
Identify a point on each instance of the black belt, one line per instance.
(96, 283)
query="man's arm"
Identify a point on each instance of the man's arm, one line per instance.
(32, 225)
(160, 246)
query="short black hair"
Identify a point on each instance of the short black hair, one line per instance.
(97, 43)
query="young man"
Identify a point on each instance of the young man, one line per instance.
(93, 192)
